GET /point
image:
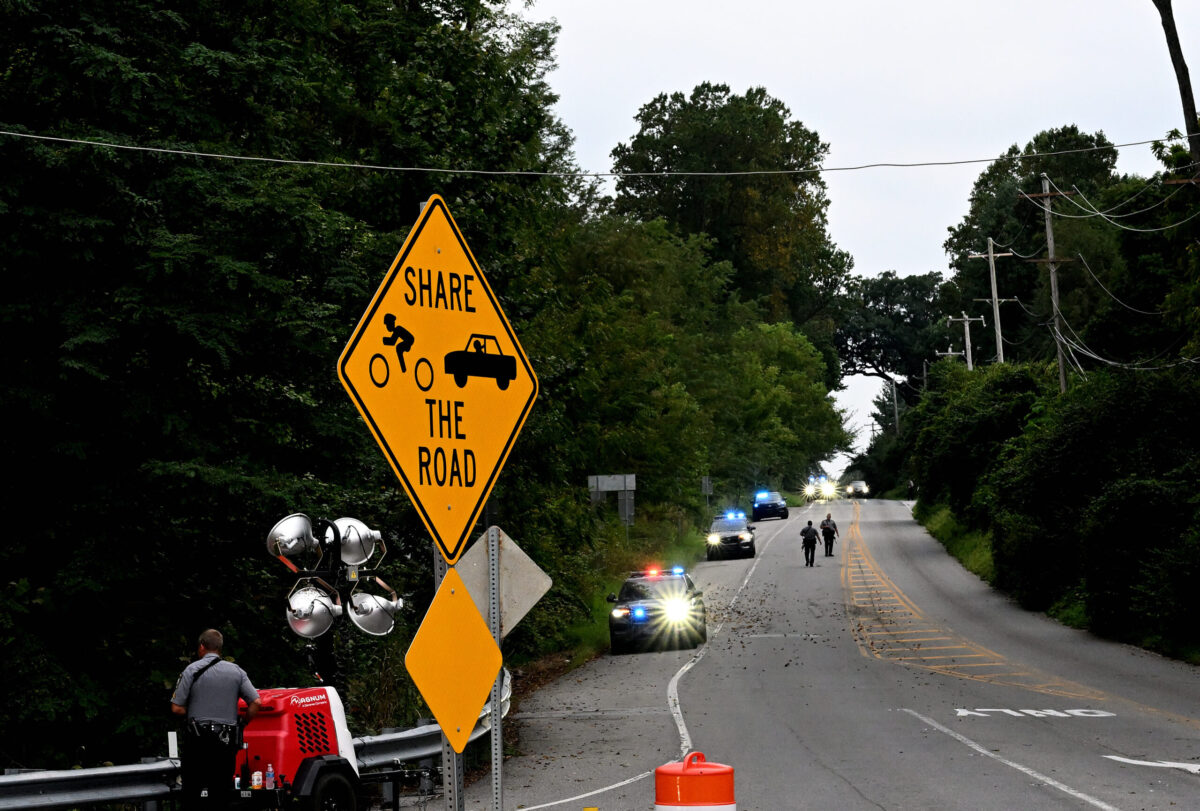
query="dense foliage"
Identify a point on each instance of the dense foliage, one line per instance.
(1088, 497)
(174, 321)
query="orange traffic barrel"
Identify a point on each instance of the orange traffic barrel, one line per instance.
(694, 784)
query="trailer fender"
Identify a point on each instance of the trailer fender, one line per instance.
(312, 769)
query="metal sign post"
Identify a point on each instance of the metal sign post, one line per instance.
(497, 715)
(452, 762)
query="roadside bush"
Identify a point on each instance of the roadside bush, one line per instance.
(964, 425)
(1064, 474)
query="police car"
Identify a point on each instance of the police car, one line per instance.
(730, 534)
(769, 504)
(657, 608)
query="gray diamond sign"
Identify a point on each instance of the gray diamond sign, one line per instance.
(522, 582)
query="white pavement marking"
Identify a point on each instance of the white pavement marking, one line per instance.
(1194, 768)
(685, 740)
(641, 776)
(1063, 787)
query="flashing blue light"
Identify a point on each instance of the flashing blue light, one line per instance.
(741, 514)
(731, 514)
(762, 496)
(639, 612)
(676, 570)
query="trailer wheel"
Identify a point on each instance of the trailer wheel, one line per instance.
(333, 792)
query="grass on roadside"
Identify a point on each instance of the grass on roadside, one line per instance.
(658, 543)
(973, 549)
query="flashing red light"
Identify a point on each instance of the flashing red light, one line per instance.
(652, 572)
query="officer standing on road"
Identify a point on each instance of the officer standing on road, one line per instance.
(829, 529)
(808, 536)
(207, 695)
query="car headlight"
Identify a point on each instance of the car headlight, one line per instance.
(745, 536)
(620, 613)
(676, 610)
(827, 490)
(809, 490)
(866, 489)
(714, 539)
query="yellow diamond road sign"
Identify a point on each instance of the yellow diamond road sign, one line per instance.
(454, 679)
(439, 376)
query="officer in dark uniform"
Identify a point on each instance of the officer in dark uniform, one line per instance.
(808, 536)
(207, 695)
(828, 530)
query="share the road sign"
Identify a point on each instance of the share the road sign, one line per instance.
(437, 372)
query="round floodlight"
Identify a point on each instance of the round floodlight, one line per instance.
(291, 536)
(311, 612)
(358, 540)
(373, 614)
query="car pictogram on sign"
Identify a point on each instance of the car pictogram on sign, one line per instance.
(483, 357)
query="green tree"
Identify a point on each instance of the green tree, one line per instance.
(1000, 210)
(890, 325)
(179, 318)
(769, 222)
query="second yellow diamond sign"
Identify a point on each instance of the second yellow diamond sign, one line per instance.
(439, 376)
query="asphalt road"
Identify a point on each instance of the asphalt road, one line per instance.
(885, 677)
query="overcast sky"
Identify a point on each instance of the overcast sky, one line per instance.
(883, 81)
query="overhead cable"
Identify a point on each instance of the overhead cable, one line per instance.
(530, 173)
(1105, 217)
(1114, 298)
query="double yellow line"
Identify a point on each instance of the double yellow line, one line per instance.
(887, 625)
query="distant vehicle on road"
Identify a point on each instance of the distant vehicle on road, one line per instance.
(768, 504)
(483, 357)
(730, 534)
(858, 488)
(657, 608)
(823, 490)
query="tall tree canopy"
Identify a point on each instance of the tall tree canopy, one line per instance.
(890, 325)
(178, 318)
(771, 227)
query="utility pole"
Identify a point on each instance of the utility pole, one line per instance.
(1062, 369)
(948, 353)
(991, 257)
(967, 334)
(1053, 263)
(895, 408)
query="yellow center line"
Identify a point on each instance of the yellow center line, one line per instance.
(879, 609)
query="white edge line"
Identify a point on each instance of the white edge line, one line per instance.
(641, 776)
(1063, 787)
(685, 740)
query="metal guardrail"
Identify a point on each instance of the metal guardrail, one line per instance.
(390, 750)
(147, 782)
(76, 787)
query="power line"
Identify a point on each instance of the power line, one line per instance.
(1096, 213)
(1111, 296)
(530, 173)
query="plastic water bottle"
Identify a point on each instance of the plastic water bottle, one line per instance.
(270, 781)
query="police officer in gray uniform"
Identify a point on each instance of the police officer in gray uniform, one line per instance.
(207, 695)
